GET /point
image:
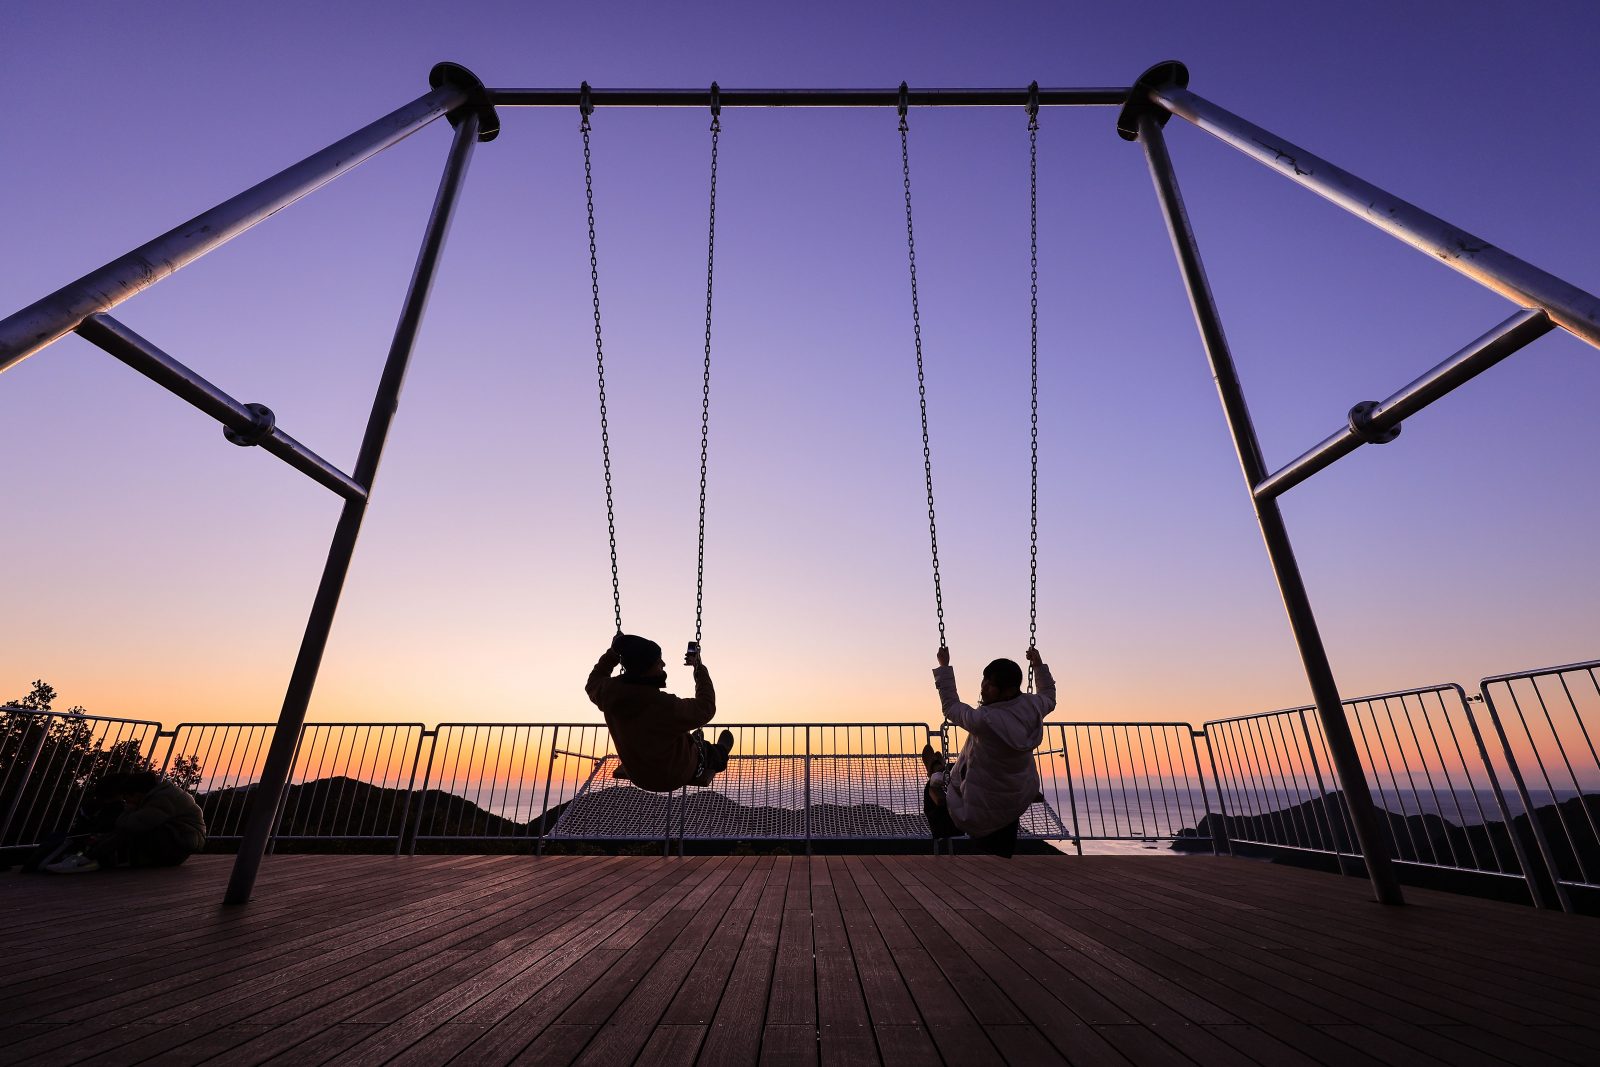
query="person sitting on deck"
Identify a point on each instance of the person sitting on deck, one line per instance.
(160, 826)
(994, 780)
(652, 729)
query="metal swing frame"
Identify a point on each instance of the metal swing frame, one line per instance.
(1545, 303)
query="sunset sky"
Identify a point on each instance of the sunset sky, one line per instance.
(155, 571)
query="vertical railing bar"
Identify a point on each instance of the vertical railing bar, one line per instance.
(1307, 777)
(1072, 796)
(369, 734)
(1534, 826)
(1277, 758)
(1444, 769)
(1544, 772)
(807, 773)
(1383, 797)
(1452, 733)
(1535, 893)
(544, 814)
(1577, 786)
(1161, 748)
(1411, 781)
(1205, 799)
(27, 776)
(1472, 785)
(1260, 762)
(1268, 819)
(240, 747)
(432, 738)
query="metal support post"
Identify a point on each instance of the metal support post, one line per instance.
(275, 772)
(1273, 531)
(38, 324)
(1573, 310)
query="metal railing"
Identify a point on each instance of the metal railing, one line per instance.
(350, 781)
(1545, 721)
(1437, 793)
(1263, 780)
(1115, 781)
(47, 759)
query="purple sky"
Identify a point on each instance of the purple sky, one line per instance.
(154, 570)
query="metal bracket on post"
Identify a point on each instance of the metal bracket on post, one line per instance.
(1139, 104)
(262, 423)
(478, 102)
(1360, 419)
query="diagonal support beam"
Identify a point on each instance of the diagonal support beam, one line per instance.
(55, 316)
(150, 361)
(1571, 308)
(1373, 423)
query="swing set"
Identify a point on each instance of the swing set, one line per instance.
(1544, 301)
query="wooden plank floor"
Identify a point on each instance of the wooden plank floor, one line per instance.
(480, 960)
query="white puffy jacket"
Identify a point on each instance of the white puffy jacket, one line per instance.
(994, 779)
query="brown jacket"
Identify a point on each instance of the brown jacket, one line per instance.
(650, 727)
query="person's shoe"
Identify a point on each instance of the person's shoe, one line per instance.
(725, 741)
(77, 863)
(931, 760)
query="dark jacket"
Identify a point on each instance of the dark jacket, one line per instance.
(650, 727)
(166, 804)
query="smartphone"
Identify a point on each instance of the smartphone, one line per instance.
(690, 653)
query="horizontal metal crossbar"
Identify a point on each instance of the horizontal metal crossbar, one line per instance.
(117, 339)
(728, 98)
(1374, 422)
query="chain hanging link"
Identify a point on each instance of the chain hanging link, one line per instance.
(922, 388)
(1033, 371)
(705, 390)
(586, 108)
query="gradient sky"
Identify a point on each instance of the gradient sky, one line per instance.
(155, 571)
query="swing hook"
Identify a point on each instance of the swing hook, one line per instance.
(716, 108)
(905, 102)
(585, 104)
(1033, 105)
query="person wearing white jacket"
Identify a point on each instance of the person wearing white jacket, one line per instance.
(994, 779)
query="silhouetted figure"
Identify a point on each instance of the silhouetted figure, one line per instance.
(159, 825)
(657, 735)
(994, 779)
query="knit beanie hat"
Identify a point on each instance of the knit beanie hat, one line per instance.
(638, 653)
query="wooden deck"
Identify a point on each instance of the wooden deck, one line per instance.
(605, 960)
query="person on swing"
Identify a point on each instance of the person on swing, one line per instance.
(994, 780)
(657, 735)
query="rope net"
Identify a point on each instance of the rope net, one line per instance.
(855, 783)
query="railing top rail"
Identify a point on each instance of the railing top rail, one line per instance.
(178, 726)
(1110, 722)
(1307, 708)
(1539, 672)
(717, 724)
(12, 709)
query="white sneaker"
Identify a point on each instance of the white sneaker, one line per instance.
(77, 863)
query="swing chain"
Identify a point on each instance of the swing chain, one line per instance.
(705, 390)
(1033, 323)
(586, 108)
(916, 331)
